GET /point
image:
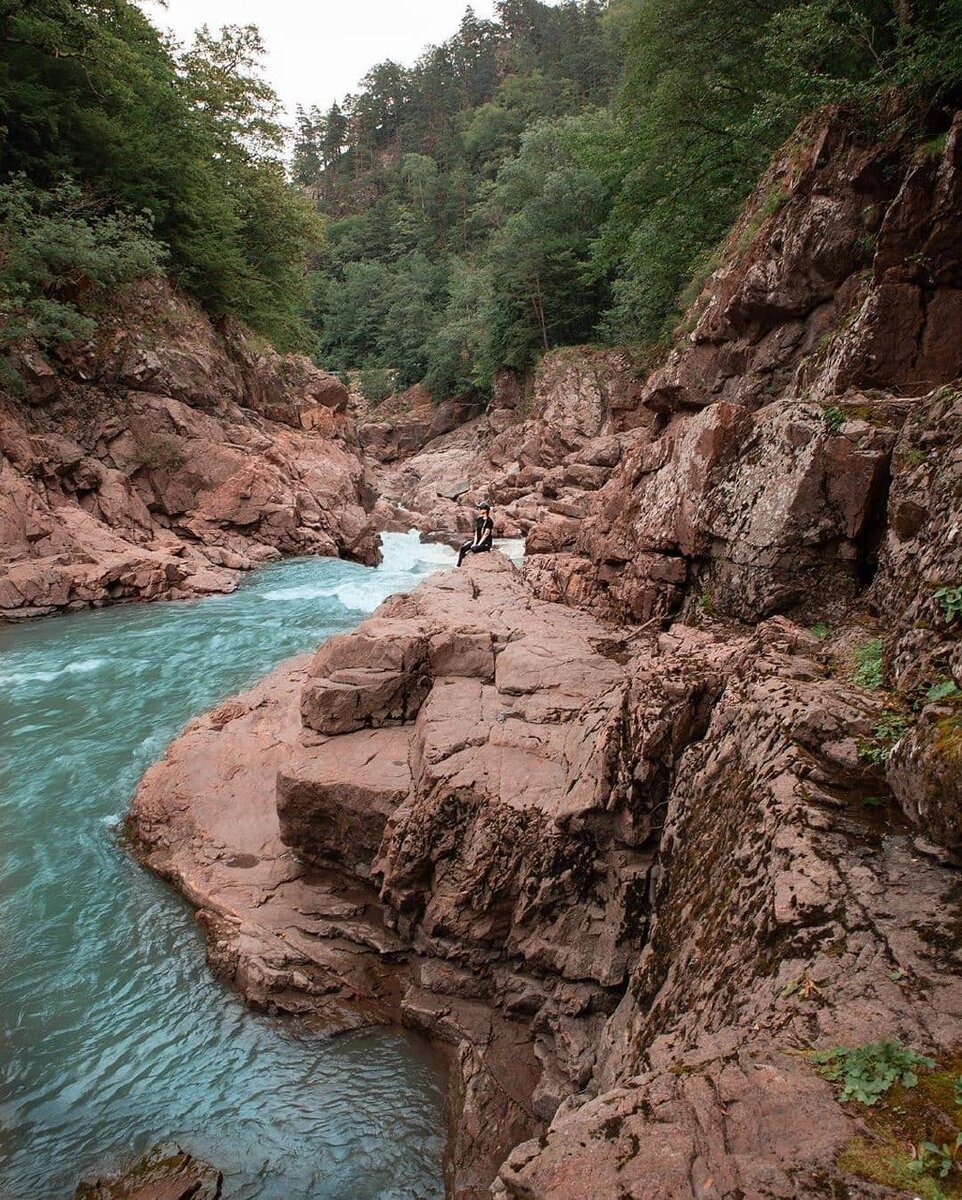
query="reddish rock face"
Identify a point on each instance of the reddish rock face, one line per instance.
(762, 486)
(628, 870)
(761, 512)
(535, 453)
(167, 1173)
(160, 472)
(636, 868)
(402, 425)
(920, 559)
(841, 274)
(333, 800)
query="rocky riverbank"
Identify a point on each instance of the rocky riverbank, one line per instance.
(627, 875)
(165, 456)
(638, 854)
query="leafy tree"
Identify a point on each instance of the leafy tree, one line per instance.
(543, 291)
(545, 208)
(455, 358)
(61, 254)
(90, 92)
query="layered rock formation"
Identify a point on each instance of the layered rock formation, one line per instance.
(538, 452)
(626, 874)
(166, 1173)
(637, 855)
(163, 457)
(760, 482)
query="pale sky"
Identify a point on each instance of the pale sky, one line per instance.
(317, 52)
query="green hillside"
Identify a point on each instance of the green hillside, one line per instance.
(559, 174)
(121, 152)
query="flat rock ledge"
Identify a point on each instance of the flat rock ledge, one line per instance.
(628, 877)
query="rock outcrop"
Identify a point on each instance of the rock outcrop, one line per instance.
(637, 855)
(166, 1173)
(163, 457)
(760, 481)
(537, 453)
(652, 865)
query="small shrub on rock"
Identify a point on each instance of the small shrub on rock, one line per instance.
(867, 1072)
(868, 664)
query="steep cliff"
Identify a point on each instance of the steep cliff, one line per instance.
(642, 856)
(764, 480)
(163, 456)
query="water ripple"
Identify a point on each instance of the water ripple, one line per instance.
(115, 1036)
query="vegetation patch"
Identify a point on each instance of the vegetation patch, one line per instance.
(867, 1072)
(950, 601)
(886, 732)
(159, 451)
(62, 252)
(376, 384)
(948, 741)
(913, 1138)
(834, 419)
(868, 664)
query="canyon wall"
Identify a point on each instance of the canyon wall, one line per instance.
(541, 448)
(639, 828)
(163, 456)
(684, 857)
(762, 485)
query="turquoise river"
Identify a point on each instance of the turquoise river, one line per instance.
(114, 1034)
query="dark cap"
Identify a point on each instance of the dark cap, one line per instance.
(484, 505)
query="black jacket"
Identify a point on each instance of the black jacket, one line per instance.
(483, 532)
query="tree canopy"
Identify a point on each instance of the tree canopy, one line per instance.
(92, 98)
(561, 172)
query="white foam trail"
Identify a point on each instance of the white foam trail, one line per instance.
(512, 548)
(405, 552)
(84, 667)
(306, 591)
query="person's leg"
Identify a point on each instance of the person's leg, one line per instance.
(463, 551)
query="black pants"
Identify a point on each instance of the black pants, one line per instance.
(471, 548)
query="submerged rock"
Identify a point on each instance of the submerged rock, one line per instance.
(166, 1173)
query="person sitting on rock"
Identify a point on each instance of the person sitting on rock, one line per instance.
(483, 534)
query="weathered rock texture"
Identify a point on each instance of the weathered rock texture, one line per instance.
(627, 874)
(402, 425)
(163, 457)
(761, 481)
(536, 454)
(641, 853)
(167, 1173)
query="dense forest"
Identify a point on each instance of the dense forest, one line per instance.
(563, 173)
(121, 154)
